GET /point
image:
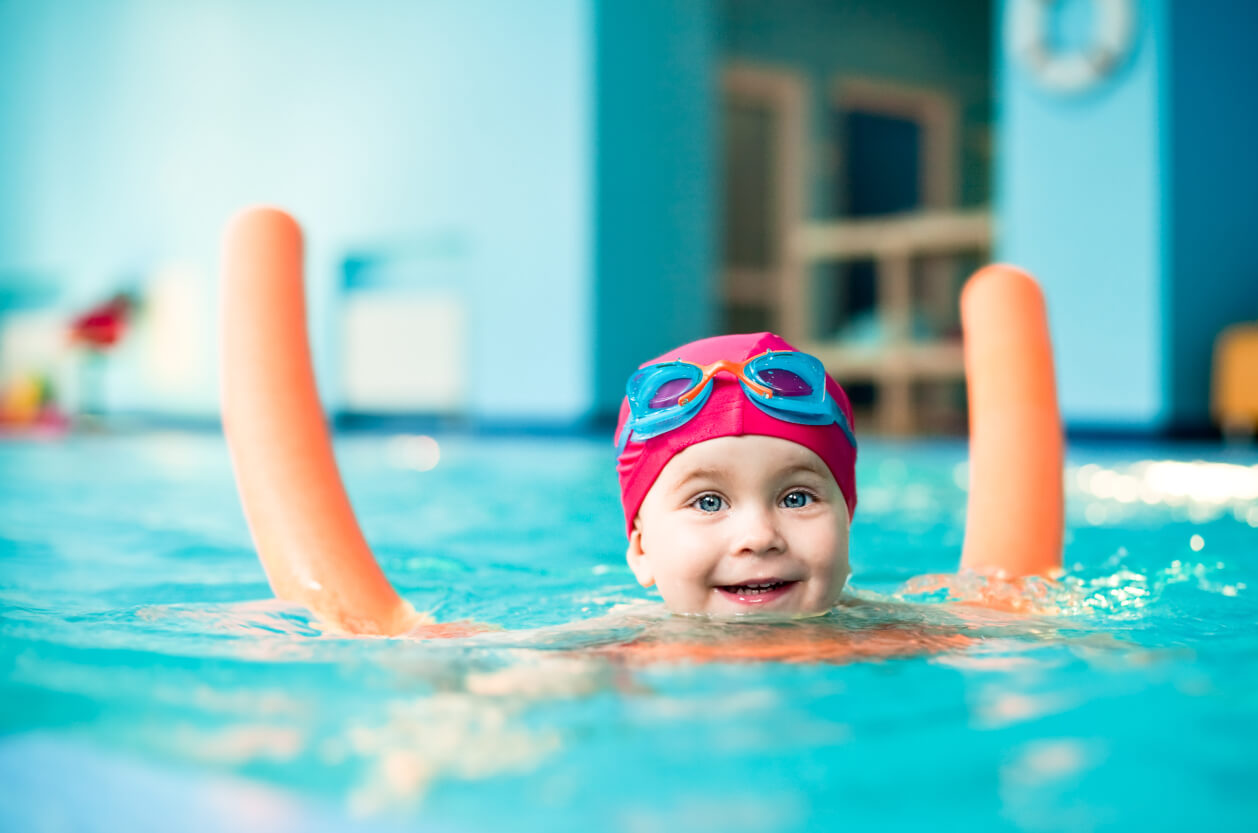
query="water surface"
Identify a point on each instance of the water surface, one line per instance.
(147, 680)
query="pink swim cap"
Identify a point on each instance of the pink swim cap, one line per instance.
(729, 413)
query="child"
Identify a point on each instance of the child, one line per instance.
(737, 476)
(736, 457)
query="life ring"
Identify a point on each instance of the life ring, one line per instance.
(1027, 38)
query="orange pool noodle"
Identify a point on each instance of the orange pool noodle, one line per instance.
(1015, 513)
(298, 511)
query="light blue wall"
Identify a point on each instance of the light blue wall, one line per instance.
(1134, 205)
(655, 174)
(131, 130)
(1080, 204)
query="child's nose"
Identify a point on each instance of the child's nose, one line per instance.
(758, 532)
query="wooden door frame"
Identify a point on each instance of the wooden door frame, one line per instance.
(785, 94)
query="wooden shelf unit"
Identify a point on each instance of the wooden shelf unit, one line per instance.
(893, 244)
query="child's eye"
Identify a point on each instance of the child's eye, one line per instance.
(797, 499)
(709, 503)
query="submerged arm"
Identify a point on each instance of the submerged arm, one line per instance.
(1015, 513)
(299, 514)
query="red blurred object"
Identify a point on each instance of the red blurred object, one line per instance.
(103, 326)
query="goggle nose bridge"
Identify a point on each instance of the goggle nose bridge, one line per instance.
(736, 369)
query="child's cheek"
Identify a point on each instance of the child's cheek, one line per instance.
(692, 555)
(842, 564)
(693, 565)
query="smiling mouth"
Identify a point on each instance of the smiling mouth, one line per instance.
(756, 592)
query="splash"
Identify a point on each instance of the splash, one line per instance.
(1118, 589)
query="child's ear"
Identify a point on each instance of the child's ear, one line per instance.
(637, 558)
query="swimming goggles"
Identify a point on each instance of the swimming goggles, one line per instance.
(787, 385)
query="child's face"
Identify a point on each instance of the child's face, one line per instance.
(746, 524)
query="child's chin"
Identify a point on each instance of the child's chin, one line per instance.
(788, 603)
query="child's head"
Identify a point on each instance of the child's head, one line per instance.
(738, 492)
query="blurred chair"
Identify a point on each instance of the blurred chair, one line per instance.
(1234, 392)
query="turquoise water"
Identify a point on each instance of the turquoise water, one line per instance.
(148, 684)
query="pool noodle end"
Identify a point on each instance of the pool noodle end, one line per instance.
(299, 514)
(1015, 511)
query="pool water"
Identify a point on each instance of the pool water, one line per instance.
(147, 683)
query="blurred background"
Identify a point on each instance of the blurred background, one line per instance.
(509, 205)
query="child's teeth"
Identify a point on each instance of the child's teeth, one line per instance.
(757, 588)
